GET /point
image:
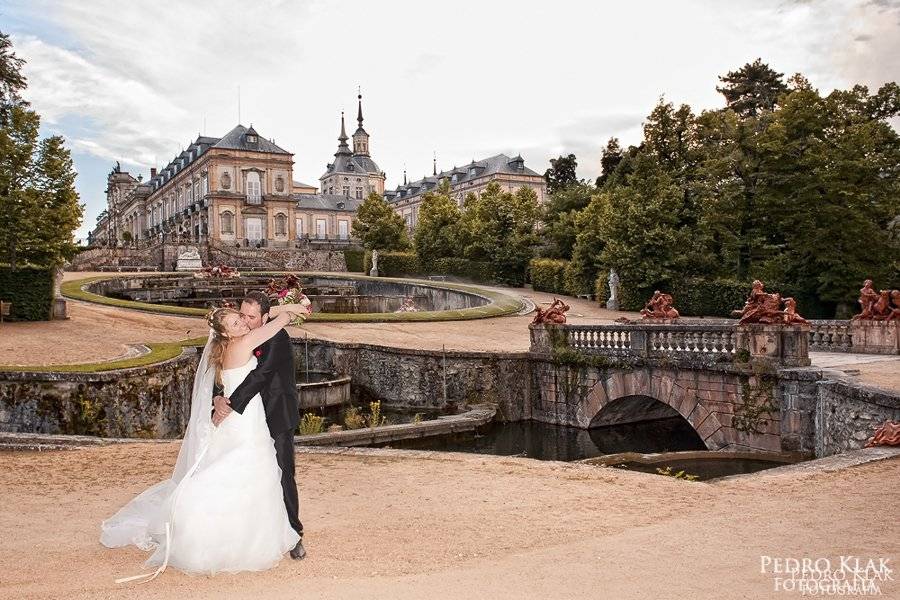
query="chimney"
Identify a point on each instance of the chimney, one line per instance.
(152, 172)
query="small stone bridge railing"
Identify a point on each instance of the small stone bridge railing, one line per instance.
(713, 341)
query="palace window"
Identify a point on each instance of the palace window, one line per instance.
(227, 223)
(280, 224)
(347, 190)
(253, 188)
(298, 225)
(359, 193)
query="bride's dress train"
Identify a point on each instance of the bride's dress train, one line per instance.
(223, 505)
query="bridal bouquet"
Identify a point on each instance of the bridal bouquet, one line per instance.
(288, 291)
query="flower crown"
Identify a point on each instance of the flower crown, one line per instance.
(211, 315)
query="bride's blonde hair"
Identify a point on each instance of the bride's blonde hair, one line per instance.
(216, 321)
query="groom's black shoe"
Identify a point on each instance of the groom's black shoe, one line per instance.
(298, 552)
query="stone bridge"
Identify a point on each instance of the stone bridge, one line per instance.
(740, 388)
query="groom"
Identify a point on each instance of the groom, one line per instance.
(274, 379)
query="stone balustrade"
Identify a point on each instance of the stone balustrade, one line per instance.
(830, 336)
(781, 345)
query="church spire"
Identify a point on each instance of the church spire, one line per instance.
(360, 137)
(343, 148)
(434, 164)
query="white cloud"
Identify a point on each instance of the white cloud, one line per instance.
(134, 81)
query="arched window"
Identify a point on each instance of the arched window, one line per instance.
(227, 223)
(280, 224)
(254, 195)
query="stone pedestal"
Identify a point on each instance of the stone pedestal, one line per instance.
(775, 345)
(60, 307)
(875, 337)
(189, 260)
(541, 338)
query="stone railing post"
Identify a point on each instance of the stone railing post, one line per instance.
(542, 336)
(875, 337)
(775, 345)
(640, 342)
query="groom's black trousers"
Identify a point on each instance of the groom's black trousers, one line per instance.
(284, 454)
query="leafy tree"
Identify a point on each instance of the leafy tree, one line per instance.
(378, 227)
(39, 209)
(12, 81)
(587, 250)
(753, 88)
(612, 156)
(437, 233)
(561, 173)
(499, 228)
(559, 216)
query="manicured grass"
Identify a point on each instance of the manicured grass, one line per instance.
(502, 304)
(159, 352)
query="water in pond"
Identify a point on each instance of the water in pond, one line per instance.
(544, 441)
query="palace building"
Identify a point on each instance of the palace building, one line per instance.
(510, 173)
(235, 190)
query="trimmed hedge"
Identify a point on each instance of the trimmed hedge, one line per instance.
(355, 260)
(548, 275)
(463, 268)
(394, 264)
(30, 290)
(601, 288)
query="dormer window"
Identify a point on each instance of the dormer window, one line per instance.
(251, 138)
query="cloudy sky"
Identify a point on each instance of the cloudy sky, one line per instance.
(136, 81)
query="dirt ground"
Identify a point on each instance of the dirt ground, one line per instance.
(400, 525)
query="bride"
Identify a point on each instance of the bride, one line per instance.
(223, 507)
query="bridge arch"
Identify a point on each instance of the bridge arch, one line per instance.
(646, 393)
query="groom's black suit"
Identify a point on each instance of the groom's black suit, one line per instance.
(274, 379)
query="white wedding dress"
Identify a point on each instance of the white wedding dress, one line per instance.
(223, 509)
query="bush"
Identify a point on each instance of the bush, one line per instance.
(394, 264)
(574, 282)
(355, 260)
(475, 270)
(548, 275)
(30, 289)
(353, 419)
(311, 424)
(699, 297)
(601, 289)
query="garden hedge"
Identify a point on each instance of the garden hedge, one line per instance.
(30, 290)
(355, 260)
(548, 275)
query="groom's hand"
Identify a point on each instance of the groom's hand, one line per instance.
(222, 410)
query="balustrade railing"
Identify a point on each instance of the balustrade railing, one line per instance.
(708, 342)
(830, 336)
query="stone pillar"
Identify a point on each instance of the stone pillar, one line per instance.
(542, 337)
(775, 345)
(60, 305)
(875, 337)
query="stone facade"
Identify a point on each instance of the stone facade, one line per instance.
(353, 173)
(847, 415)
(510, 173)
(237, 189)
(150, 402)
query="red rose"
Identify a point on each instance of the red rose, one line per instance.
(257, 353)
(284, 292)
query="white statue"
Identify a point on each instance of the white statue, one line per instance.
(188, 259)
(613, 302)
(374, 271)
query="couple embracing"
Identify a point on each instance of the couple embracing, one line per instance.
(231, 503)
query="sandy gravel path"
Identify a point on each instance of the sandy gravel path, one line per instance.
(426, 525)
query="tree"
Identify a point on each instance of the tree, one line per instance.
(437, 231)
(612, 156)
(378, 227)
(753, 88)
(561, 173)
(12, 81)
(39, 209)
(499, 227)
(559, 216)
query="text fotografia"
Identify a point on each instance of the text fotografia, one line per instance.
(844, 576)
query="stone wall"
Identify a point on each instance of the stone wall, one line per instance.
(150, 402)
(408, 378)
(847, 415)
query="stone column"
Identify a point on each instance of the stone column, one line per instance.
(775, 345)
(60, 305)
